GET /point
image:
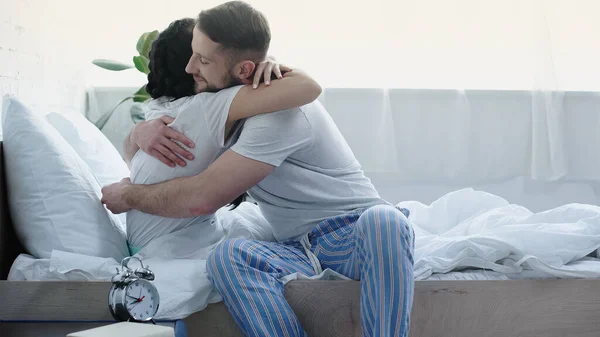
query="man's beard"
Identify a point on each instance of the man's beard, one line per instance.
(229, 81)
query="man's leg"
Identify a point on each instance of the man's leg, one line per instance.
(246, 273)
(376, 247)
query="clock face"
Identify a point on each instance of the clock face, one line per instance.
(141, 300)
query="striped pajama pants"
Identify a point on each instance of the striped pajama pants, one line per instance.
(374, 245)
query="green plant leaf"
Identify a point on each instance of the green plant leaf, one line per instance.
(140, 43)
(141, 98)
(142, 91)
(104, 118)
(147, 45)
(137, 114)
(141, 64)
(111, 65)
(141, 95)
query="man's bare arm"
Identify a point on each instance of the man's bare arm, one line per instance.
(224, 180)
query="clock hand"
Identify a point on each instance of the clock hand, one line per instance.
(136, 303)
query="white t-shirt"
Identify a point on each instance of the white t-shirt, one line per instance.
(316, 175)
(202, 119)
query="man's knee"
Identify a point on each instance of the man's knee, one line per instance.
(385, 221)
(383, 217)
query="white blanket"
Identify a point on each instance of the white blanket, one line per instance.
(462, 229)
(468, 228)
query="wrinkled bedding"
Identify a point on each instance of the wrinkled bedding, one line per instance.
(463, 235)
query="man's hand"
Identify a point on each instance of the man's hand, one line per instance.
(113, 196)
(157, 139)
(188, 197)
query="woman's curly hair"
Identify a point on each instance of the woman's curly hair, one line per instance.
(169, 56)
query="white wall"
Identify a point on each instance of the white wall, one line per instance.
(426, 44)
(38, 63)
(46, 47)
(459, 44)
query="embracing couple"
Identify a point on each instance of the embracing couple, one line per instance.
(225, 119)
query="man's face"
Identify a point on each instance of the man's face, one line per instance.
(209, 65)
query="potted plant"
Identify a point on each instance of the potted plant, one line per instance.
(140, 62)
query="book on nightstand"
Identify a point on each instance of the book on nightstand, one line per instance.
(128, 329)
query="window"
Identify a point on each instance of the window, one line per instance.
(460, 44)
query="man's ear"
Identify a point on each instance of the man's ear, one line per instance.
(244, 71)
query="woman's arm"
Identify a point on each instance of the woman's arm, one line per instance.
(293, 90)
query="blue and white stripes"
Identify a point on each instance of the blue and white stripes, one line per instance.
(374, 246)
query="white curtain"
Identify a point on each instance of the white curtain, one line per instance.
(470, 136)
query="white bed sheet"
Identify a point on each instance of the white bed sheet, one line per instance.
(588, 265)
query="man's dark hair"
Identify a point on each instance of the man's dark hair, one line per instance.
(169, 56)
(242, 31)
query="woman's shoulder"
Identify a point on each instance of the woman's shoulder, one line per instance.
(157, 107)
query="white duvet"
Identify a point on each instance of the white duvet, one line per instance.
(462, 229)
(468, 228)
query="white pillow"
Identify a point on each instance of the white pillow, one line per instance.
(53, 196)
(93, 147)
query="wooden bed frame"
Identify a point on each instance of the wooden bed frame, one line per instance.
(548, 308)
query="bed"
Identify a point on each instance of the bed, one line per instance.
(483, 307)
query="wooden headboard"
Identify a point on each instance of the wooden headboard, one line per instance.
(10, 247)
